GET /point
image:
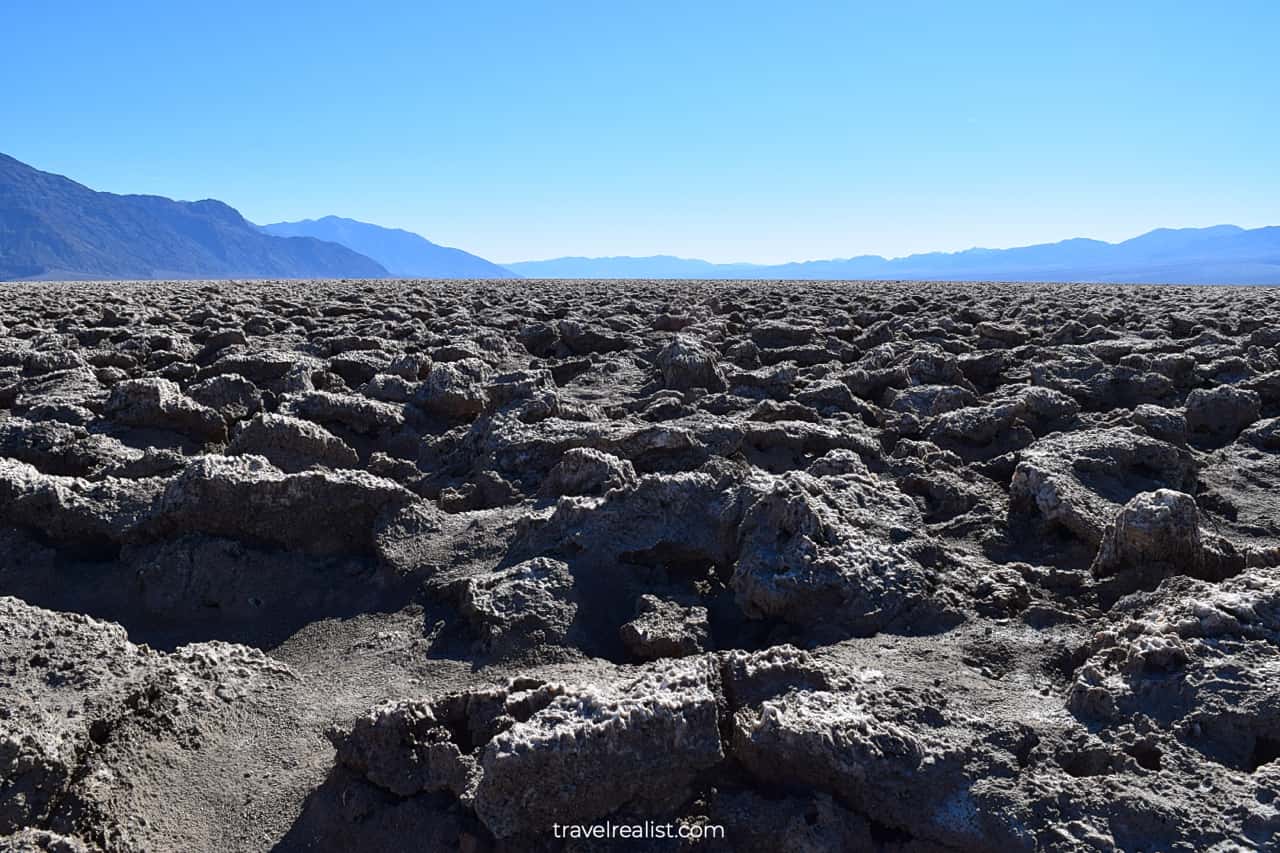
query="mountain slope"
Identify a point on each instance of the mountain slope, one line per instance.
(52, 227)
(1223, 254)
(402, 252)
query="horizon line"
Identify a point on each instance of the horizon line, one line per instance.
(872, 255)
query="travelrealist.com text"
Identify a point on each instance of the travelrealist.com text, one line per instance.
(648, 829)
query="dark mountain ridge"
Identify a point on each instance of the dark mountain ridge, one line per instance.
(54, 228)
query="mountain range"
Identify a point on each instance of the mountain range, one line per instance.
(1222, 254)
(403, 253)
(52, 227)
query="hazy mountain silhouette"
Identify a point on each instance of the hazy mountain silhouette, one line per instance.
(402, 252)
(1223, 254)
(653, 266)
(53, 228)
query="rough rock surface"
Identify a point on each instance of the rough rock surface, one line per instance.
(665, 629)
(803, 566)
(637, 744)
(1158, 533)
(529, 605)
(246, 497)
(160, 403)
(292, 444)
(83, 704)
(583, 470)
(1078, 480)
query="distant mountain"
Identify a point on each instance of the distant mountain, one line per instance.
(1223, 254)
(653, 266)
(402, 252)
(53, 228)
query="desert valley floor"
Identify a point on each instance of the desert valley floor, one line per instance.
(411, 565)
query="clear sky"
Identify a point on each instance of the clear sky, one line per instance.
(756, 131)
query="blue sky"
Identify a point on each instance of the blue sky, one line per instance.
(757, 131)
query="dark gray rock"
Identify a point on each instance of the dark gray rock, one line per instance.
(583, 471)
(523, 607)
(456, 390)
(160, 404)
(1222, 412)
(231, 395)
(665, 629)
(686, 364)
(245, 497)
(292, 444)
(638, 742)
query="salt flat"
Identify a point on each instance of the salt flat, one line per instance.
(340, 565)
